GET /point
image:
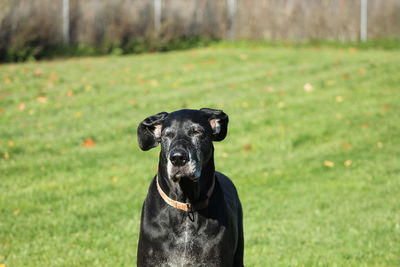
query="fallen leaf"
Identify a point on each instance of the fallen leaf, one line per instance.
(346, 146)
(346, 76)
(114, 179)
(243, 57)
(308, 87)
(379, 144)
(270, 89)
(89, 142)
(88, 88)
(70, 93)
(133, 101)
(189, 66)
(7, 80)
(53, 76)
(154, 83)
(42, 99)
(362, 71)
(211, 61)
(365, 125)
(329, 164)
(339, 98)
(347, 163)
(22, 107)
(338, 116)
(78, 114)
(16, 212)
(247, 147)
(37, 72)
(6, 155)
(330, 82)
(280, 104)
(224, 155)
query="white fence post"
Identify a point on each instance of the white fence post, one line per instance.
(363, 20)
(65, 21)
(232, 7)
(157, 15)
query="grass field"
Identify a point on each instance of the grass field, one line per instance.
(313, 147)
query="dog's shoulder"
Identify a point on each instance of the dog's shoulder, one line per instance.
(229, 190)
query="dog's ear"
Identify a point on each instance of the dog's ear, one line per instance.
(149, 131)
(218, 121)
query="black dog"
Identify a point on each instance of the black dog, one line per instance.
(192, 215)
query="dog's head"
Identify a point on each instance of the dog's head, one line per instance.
(186, 138)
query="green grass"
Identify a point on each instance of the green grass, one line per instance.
(64, 204)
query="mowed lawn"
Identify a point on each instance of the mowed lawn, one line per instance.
(313, 148)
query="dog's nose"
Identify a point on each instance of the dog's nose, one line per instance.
(179, 157)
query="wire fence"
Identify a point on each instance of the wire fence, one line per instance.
(42, 23)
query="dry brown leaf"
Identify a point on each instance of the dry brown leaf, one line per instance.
(224, 154)
(270, 89)
(347, 163)
(329, 164)
(280, 104)
(243, 57)
(346, 146)
(89, 142)
(308, 87)
(38, 72)
(339, 98)
(362, 71)
(42, 99)
(22, 106)
(330, 82)
(247, 147)
(154, 83)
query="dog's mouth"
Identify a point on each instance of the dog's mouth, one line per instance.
(187, 171)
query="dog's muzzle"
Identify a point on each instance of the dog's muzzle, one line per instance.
(179, 157)
(181, 165)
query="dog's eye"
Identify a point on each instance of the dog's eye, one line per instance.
(195, 132)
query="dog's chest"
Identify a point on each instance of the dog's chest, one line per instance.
(191, 244)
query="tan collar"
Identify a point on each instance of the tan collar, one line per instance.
(186, 206)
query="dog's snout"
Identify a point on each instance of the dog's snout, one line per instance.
(179, 157)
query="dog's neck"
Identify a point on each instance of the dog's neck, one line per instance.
(186, 190)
